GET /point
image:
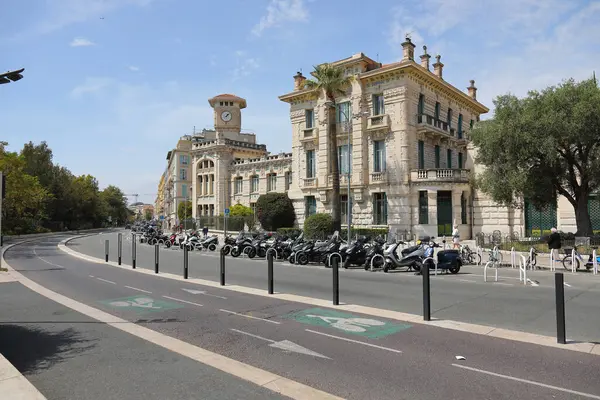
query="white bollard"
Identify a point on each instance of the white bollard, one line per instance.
(487, 265)
(595, 262)
(552, 267)
(573, 265)
(523, 270)
(531, 251)
(513, 258)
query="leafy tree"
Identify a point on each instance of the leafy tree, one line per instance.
(318, 226)
(331, 81)
(148, 215)
(245, 213)
(116, 205)
(275, 210)
(22, 209)
(541, 146)
(184, 210)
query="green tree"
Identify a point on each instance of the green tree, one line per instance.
(541, 146)
(184, 210)
(318, 226)
(275, 210)
(243, 212)
(148, 215)
(331, 81)
(23, 207)
(91, 211)
(116, 204)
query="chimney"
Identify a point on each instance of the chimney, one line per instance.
(408, 50)
(299, 81)
(438, 67)
(425, 58)
(472, 90)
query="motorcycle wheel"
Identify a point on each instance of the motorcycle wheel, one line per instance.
(302, 259)
(251, 253)
(346, 263)
(386, 268)
(416, 267)
(454, 270)
(168, 244)
(235, 252)
(262, 253)
(291, 258)
(226, 250)
(212, 247)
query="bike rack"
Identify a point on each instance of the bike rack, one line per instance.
(226, 246)
(594, 262)
(434, 263)
(573, 265)
(272, 249)
(374, 257)
(531, 255)
(552, 260)
(513, 258)
(523, 270)
(245, 251)
(479, 252)
(333, 254)
(490, 264)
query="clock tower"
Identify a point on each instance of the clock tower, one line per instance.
(228, 114)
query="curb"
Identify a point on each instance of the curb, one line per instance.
(500, 333)
(14, 385)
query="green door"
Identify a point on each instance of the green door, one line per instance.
(444, 212)
(539, 222)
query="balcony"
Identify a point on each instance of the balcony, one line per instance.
(377, 122)
(440, 175)
(205, 199)
(309, 182)
(430, 124)
(379, 177)
(343, 180)
(309, 134)
(342, 128)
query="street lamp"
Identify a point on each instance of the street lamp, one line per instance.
(348, 127)
(11, 76)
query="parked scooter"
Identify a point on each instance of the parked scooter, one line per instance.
(410, 257)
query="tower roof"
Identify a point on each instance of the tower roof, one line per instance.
(227, 97)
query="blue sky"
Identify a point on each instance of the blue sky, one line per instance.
(112, 84)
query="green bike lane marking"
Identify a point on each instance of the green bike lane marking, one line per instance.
(141, 304)
(348, 323)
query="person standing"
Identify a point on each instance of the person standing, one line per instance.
(554, 243)
(456, 238)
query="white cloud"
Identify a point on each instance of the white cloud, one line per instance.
(90, 86)
(81, 42)
(509, 46)
(133, 68)
(280, 12)
(244, 65)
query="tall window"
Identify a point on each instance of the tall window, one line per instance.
(271, 182)
(460, 160)
(449, 119)
(421, 104)
(254, 184)
(437, 156)
(344, 156)
(459, 132)
(471, 124)
(239, 185)
(344, 207)
(379, 209)
(311, 168)
(437, 110)
(183, 174)
(309, 118)
(378, 105)
(184, 190)
(423, 207)
(310, 206)
(421, 159)
(449, 158)
(343, 112)
(379, 156)
(463, 209)
(184, 159)
(288, 180)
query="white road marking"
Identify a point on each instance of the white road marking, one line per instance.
(466, 280)
(503, 284)
(251, 317)
(512, 378)
(193, 291)
(566, 284)
(354, 341)
(285, 345)
(106, 280)
(46, 261)
(183, 301)
(91, 276)
(139, 290)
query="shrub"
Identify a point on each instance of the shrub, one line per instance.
(290, 232)
(275, 210)
(370, 233)
(318, 226)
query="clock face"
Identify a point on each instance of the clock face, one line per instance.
(226, 116)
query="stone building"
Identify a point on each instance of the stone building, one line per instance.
(177, 181)
(404, 129)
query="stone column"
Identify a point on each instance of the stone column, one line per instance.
(432, 205)
(456, 209)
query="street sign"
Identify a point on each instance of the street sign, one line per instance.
(162, 217)
(227, 212)
(348, 323)
(141, 304)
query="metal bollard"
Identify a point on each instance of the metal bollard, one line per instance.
(270, 272)
(559, 288)
(426, 292)
(185, 262)
(222, 267)
(336, 280)
(133, 250)
(156, 250)
(119, 247)
(106, 244)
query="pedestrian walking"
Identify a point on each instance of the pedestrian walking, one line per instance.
(205, 231)
(554, 243)
(456, 238)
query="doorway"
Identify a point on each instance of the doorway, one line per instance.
(444, 212)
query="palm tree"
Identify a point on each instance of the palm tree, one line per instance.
(330, 80)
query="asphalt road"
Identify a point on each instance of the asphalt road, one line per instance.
(352, 356)
(462, 297)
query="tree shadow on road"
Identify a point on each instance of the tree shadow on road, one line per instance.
(31, 349)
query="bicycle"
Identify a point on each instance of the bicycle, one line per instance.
(495, 256)
(469, 256)
(568, 263)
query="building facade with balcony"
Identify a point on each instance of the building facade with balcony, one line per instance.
(177, 181)
(402, 142)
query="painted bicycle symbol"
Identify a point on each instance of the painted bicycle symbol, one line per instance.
(142, 302)
(349, 324)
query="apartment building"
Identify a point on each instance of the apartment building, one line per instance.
(177, 181)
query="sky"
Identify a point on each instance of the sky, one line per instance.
(112, 84)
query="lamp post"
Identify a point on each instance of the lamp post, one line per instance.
(11, 76)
